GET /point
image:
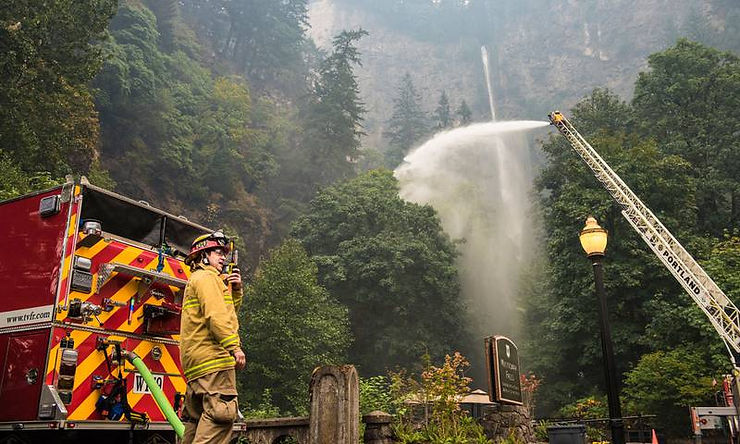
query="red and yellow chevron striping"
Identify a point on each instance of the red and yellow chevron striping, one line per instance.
(123, 298)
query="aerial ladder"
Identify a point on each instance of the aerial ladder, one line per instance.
(719, 309)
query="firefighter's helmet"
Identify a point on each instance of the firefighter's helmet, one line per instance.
(206, 242)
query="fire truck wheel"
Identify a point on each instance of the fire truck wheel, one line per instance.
(15, 438)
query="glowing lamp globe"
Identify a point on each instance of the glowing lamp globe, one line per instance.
(593, 238)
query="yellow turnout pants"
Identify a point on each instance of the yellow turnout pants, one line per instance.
(210, 408)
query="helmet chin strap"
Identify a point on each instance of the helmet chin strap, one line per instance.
(205, 261)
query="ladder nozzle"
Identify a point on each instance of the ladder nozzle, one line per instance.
(555, 117)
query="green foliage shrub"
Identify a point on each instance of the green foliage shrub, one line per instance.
(431, 412)
(393, 267)
(666, 383)
(375, 394)
(590, 407)
(264, 408)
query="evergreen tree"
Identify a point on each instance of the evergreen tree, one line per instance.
(463, 113)
(442, 112)
(674, 146)
(332, 119)
(408, 123)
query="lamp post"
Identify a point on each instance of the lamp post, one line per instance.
(593, 240)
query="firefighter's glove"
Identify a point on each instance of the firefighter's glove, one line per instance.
(234, 279)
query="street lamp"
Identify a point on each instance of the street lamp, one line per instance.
(593, 240)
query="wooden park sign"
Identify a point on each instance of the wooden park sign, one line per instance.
(502, 363)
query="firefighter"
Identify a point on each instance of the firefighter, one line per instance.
(210, 350)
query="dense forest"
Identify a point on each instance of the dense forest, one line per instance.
(676, 144)
(236, 120)
(228, 113)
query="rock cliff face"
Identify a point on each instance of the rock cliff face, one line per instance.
(544, 54)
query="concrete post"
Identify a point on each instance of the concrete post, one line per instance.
(378, 428)
(335, 405)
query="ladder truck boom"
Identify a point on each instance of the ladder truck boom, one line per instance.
(722, 313)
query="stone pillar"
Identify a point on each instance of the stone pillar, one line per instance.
(378, 428)
(501, 421)
(335, 405)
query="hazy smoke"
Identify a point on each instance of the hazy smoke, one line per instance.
(478, 178)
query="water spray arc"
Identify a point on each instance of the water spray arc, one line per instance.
(477, 178)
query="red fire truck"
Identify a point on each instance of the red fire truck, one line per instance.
(89, 275)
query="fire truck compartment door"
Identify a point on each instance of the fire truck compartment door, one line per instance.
(22, 359)
(30, 257)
